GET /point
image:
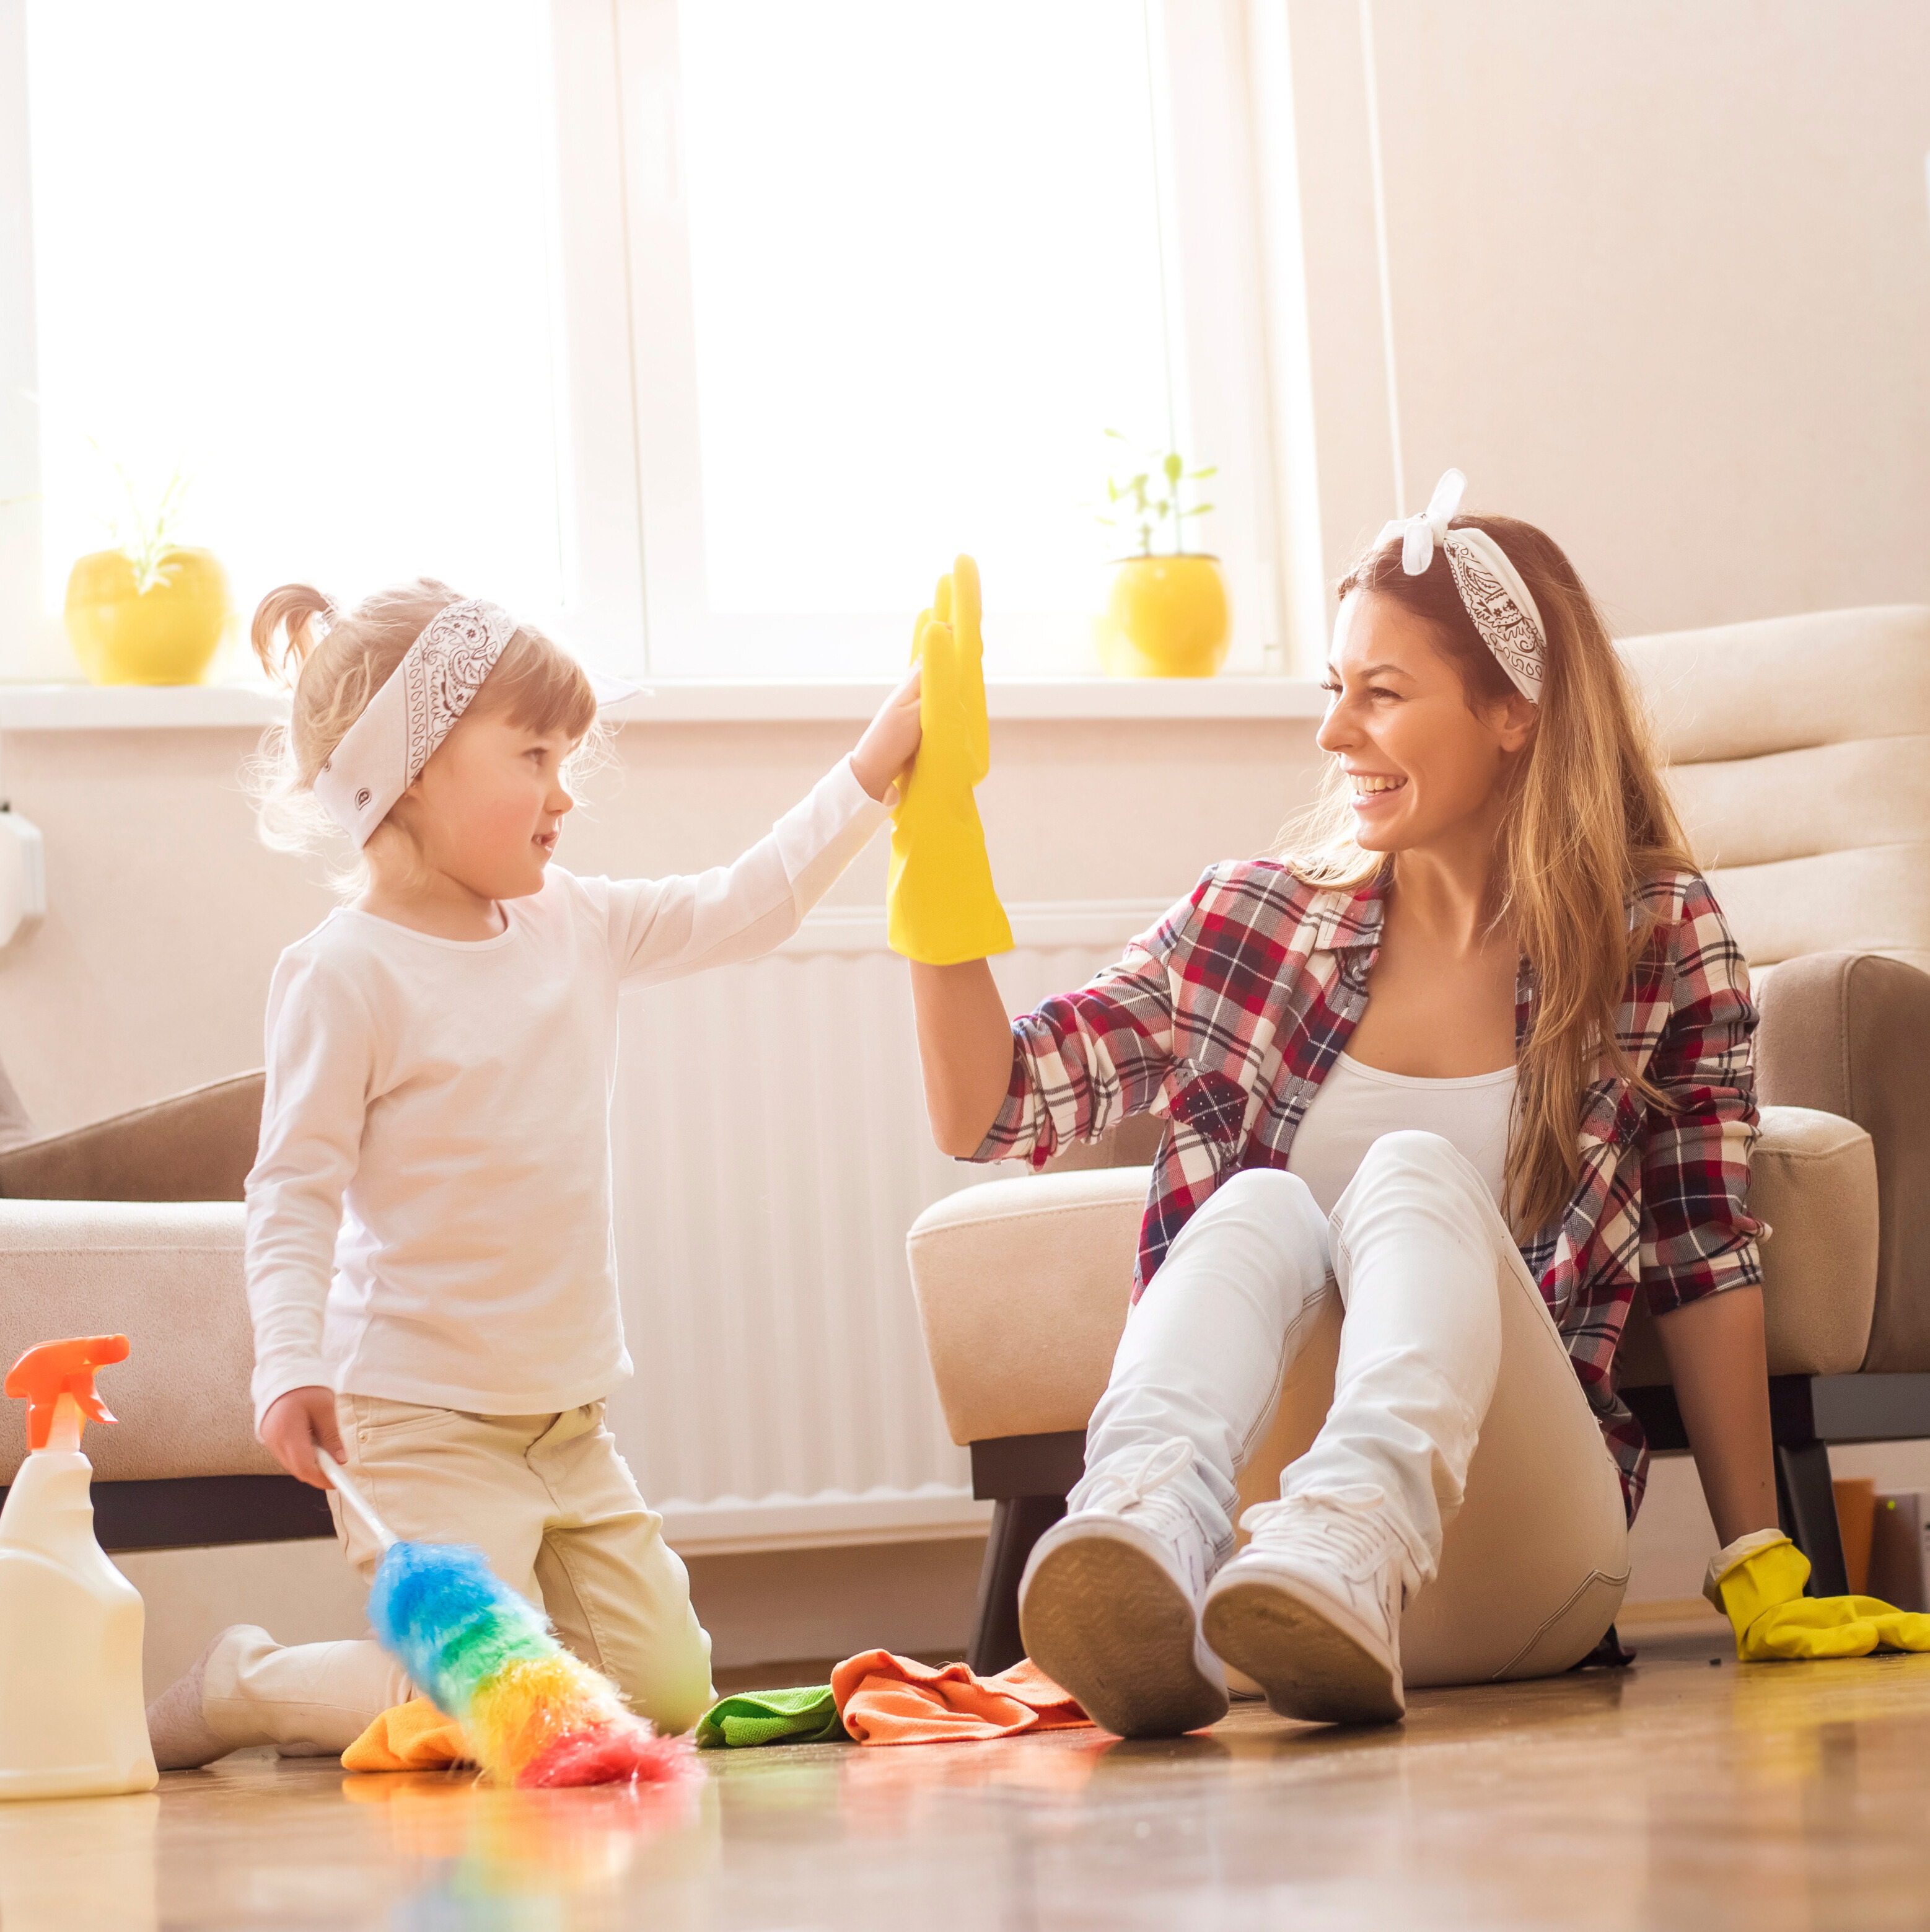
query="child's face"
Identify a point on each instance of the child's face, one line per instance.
(489, 804)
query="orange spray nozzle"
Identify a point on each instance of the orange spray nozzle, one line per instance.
(44, 1374)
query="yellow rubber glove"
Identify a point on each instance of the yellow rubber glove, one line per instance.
(1757, 1583)
(941, 908)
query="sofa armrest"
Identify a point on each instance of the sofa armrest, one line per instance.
(196, 1146)
(168, 1277)
(1849, 1033)
(1023, 1287)
(1813, 1179)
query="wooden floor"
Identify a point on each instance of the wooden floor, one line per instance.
(1684, 1792)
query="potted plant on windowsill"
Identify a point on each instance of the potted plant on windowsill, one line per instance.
(1166, 613)
(149, 611)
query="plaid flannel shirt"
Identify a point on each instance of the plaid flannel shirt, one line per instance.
(1226, 1017)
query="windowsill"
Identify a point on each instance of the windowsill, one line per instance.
(84, 707)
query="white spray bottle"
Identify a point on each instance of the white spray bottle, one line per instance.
(72, 1720)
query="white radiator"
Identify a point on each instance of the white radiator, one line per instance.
(771, 1152)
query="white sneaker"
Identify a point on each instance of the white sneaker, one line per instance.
(1109, 1607)
(1310, 1610)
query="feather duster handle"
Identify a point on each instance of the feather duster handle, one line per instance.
(535, 1714)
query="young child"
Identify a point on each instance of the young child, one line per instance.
(430, 1262)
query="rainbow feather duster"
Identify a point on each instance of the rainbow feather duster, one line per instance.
(535, 1715)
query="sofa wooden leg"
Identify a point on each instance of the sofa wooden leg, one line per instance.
(1807, 1506)
(1017, 1523)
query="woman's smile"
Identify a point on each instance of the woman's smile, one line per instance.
(1373, 788)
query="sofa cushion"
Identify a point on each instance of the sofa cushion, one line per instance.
(196, 1146)
(1022, 1286)
(1849, 1033)
(1799, 751)
(168, 1277)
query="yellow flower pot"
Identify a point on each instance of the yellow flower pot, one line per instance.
(1166, 617)
(168, 635)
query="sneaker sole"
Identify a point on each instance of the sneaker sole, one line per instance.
(1104, 1620)
(1305, 1652)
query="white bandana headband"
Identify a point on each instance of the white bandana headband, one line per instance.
(1490, 587)
(383, 753)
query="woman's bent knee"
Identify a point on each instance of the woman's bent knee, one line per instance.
(1269, 1196)
(1412, 1153)
(1263, 1214)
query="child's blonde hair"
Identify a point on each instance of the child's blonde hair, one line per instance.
(334, 668)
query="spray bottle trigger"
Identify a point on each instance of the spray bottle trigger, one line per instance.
(52, 1369)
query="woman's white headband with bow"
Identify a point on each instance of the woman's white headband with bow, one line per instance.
(383, 753)
(1490, 587)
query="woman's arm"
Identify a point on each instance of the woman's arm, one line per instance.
(965, 1046)
(1718, 1362)
(1021, 1090)
(1701, 1272)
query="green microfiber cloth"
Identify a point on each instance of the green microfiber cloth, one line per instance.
(807, 1715)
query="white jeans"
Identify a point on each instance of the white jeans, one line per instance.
(1449, 1405)
(552, 1506)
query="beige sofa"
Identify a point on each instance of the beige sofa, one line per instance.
(1801, 758)
(133, 1226)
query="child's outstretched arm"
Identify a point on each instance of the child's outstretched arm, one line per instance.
(662, 928)
(891, 739)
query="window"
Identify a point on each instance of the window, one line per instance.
(304, 256)
(704, 330)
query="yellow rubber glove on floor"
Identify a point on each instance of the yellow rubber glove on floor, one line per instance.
(941, 907)
(1757, 1583)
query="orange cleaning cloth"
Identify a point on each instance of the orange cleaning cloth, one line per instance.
(415, 1736)
(885, 1700)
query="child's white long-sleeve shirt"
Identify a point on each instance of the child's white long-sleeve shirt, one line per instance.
(429, 1217)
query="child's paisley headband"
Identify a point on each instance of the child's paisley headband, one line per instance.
(383, 753)
(1490, 587)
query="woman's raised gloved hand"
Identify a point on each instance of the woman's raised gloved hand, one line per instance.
(1757, 1583)
(941, 908)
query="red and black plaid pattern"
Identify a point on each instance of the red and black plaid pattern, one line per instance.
(1226, 1017)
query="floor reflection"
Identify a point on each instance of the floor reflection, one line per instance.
(491, 1860)
(1773, 1797)
(79, 1865)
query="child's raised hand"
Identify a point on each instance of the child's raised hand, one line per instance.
(942, 906)
(294, 1424)
(891, 739)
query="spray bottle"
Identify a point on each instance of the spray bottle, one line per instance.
(72, 1721)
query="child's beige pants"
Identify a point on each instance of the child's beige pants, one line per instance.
(554, 1507)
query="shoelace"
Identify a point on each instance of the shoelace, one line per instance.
(1355, 1537)
(1160, 1466)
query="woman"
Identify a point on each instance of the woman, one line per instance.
(1465, 1065)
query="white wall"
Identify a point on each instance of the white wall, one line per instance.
(1661, 284)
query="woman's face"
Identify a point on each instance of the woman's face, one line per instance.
(1423, 766)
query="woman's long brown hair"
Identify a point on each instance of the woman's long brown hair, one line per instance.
(1588, 822)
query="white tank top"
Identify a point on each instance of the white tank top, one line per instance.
(1357, 1104)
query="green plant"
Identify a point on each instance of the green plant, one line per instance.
(145, 536)
(1150, 496)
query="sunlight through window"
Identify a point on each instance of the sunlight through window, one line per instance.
(303, 254)
(926, 253)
